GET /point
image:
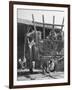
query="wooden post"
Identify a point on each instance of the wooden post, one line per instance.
(33, 22)
(62, 23)
(34, 27)
(43, 27)
(53, 21)
(28, 29)
(62, 33)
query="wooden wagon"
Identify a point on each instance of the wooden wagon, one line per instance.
(44, 51)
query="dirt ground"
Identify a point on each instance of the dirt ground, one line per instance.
(38, 75)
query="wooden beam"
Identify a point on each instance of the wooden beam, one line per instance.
(28, 29)
(34, 29)
(53, 21)
(48, 24)
(37, 23)
(33, 22)
(62, 23)
(43, 27)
